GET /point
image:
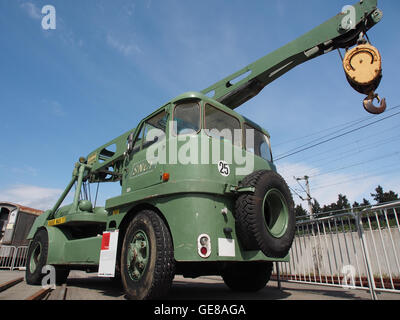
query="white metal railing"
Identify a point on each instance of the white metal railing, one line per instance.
(19, 261)
(353, 249)
(6, 256)
(12, 257)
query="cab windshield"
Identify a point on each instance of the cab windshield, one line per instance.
(187, 118)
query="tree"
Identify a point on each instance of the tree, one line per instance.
(382, 197)
(341, 205)
(343, 202)
(300, 211)
(365, 203)
(357, 207)
(316, 207)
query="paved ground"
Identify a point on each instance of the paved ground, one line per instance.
(83, 286)
(19, 291)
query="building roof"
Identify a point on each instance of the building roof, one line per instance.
(36, 212)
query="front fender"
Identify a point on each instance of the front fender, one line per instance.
(56, 242)
(40, 221)
(56, 247)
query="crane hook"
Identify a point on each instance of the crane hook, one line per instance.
(369, 105)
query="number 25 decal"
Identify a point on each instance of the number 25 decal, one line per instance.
(223, 168)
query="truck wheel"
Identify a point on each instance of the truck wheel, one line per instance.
(147, 258)
(247, 277)
(265, 220)
(36, 258)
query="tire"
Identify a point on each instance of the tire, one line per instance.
(36, 258)
(247, 277)
(265, 220)
(147, 270)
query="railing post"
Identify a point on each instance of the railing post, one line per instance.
(278, 275)
(13, 259)
(367, 260)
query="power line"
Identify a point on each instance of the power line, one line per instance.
(360, 148)
(322, 131)
(356, 164)
(374, 135)
(350, 153)
(353, 122)
(325, 136)
(296, 193)
(315, 172)
(357, 178)
(308, 192)
(338, 136)
(298, 181)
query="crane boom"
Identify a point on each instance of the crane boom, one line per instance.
(233, 92)
(245, 84)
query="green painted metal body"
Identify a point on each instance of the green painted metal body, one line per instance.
(63, 250)
(196, 199)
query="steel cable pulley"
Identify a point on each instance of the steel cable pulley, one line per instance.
(363, 69)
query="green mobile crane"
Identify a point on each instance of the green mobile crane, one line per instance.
(200, 194)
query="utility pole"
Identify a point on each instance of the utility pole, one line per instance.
(309, 198)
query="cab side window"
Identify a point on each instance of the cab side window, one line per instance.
(138, 142)
(152, 131)
(221, 125)
(260, 145)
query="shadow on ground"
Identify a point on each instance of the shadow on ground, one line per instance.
(182, 290)
(211, 288)
(105, 289)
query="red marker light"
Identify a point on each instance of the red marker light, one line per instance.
(204, 245)
(165, 177)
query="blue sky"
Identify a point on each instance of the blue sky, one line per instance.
(108, 64)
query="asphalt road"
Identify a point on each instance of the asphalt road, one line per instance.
(83, 286)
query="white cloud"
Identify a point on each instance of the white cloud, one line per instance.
(32, 10)
(127, 49)
(25, 170)
(57, 109)
(65, 34)
(53, 107)
(31, 196)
